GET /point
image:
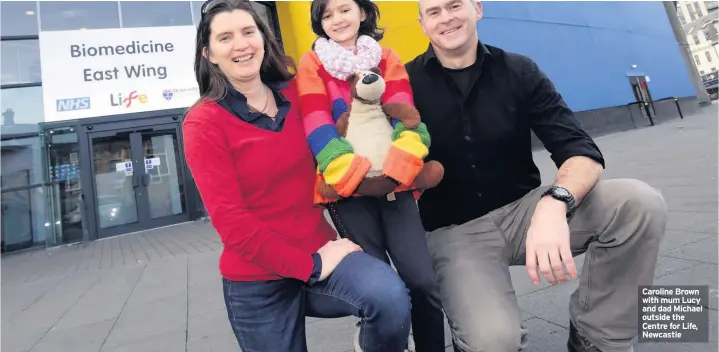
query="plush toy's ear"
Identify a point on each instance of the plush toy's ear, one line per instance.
(351, 78)
(376, 70)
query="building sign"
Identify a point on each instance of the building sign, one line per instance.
(89, 73)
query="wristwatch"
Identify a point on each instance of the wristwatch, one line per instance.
(563, 195)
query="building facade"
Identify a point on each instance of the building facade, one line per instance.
(91, 143)
(700, 21)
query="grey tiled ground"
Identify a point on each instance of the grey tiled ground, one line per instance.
(160, 290)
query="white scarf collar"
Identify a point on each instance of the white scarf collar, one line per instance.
(340, 62)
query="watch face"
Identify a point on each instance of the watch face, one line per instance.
(561, 192)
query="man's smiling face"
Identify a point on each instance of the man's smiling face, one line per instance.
(449, 24)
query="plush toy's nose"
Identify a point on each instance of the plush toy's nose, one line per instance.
(369, 79)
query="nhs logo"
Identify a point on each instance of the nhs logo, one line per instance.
(73, 104)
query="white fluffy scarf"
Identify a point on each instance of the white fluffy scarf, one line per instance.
(340, 62)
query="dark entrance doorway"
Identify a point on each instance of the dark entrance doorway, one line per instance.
(136, 176)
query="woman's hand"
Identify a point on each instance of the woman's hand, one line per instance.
(332, 254)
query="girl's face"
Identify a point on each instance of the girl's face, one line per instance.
(236, 45)
(341, 21)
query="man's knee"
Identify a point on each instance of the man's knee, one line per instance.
(643, 196)
(634, 200)
(496, 335)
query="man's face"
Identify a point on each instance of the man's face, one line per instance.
(449, 24)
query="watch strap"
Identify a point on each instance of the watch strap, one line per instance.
(563, 195)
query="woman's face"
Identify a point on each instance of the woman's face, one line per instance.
(341, 21)
(236, 45)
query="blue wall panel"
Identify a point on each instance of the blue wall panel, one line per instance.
(587, 48)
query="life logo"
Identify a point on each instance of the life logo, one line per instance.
(72, 104)
(126, 100)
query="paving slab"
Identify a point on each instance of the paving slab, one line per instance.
(676, 238)
(160, 290)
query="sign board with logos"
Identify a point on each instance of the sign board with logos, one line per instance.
(90, 73)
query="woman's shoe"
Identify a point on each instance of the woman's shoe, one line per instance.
(357, 348)
(356, 339)
(410, 344)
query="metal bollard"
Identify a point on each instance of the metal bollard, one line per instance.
(676, 102)
(649, 113)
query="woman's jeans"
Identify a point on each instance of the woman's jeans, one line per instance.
(269, 316)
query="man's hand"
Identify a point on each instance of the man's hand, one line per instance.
(548, 243)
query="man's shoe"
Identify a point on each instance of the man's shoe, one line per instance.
(578, 343)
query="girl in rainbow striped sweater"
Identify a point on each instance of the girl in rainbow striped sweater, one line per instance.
(348, 43)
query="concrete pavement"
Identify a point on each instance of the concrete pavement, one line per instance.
(160, 290)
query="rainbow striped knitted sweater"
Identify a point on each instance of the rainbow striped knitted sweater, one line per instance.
(323, 99)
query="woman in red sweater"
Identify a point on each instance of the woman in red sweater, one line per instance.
(245, 146)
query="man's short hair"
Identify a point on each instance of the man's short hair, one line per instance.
(419, 7)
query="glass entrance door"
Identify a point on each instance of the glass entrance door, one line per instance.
(164, 188)
(137, 178)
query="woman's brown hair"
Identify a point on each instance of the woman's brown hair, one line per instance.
(211, 81)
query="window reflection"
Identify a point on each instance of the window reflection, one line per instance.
(21, 159)
(196, 14)
(18, 18)
(22, 109)
(70, 15)
(155, 13)
(24, 221)
(19, 61)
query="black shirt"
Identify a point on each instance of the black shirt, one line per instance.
(480, 119)
(236, 103)
(462, 78)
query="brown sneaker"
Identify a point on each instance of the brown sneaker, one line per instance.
(578, 343)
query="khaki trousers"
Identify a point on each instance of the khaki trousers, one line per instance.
(619, 226)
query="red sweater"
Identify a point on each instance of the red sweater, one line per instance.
(257, 186)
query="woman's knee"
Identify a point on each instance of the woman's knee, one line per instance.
(386, 298)
(390, 307)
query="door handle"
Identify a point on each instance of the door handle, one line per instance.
(135, 183)
(145, 179)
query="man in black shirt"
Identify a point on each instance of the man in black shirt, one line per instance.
(480, 105)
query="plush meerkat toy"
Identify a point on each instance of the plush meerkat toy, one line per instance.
(367, 127)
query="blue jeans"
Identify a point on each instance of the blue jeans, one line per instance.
(269, 316)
